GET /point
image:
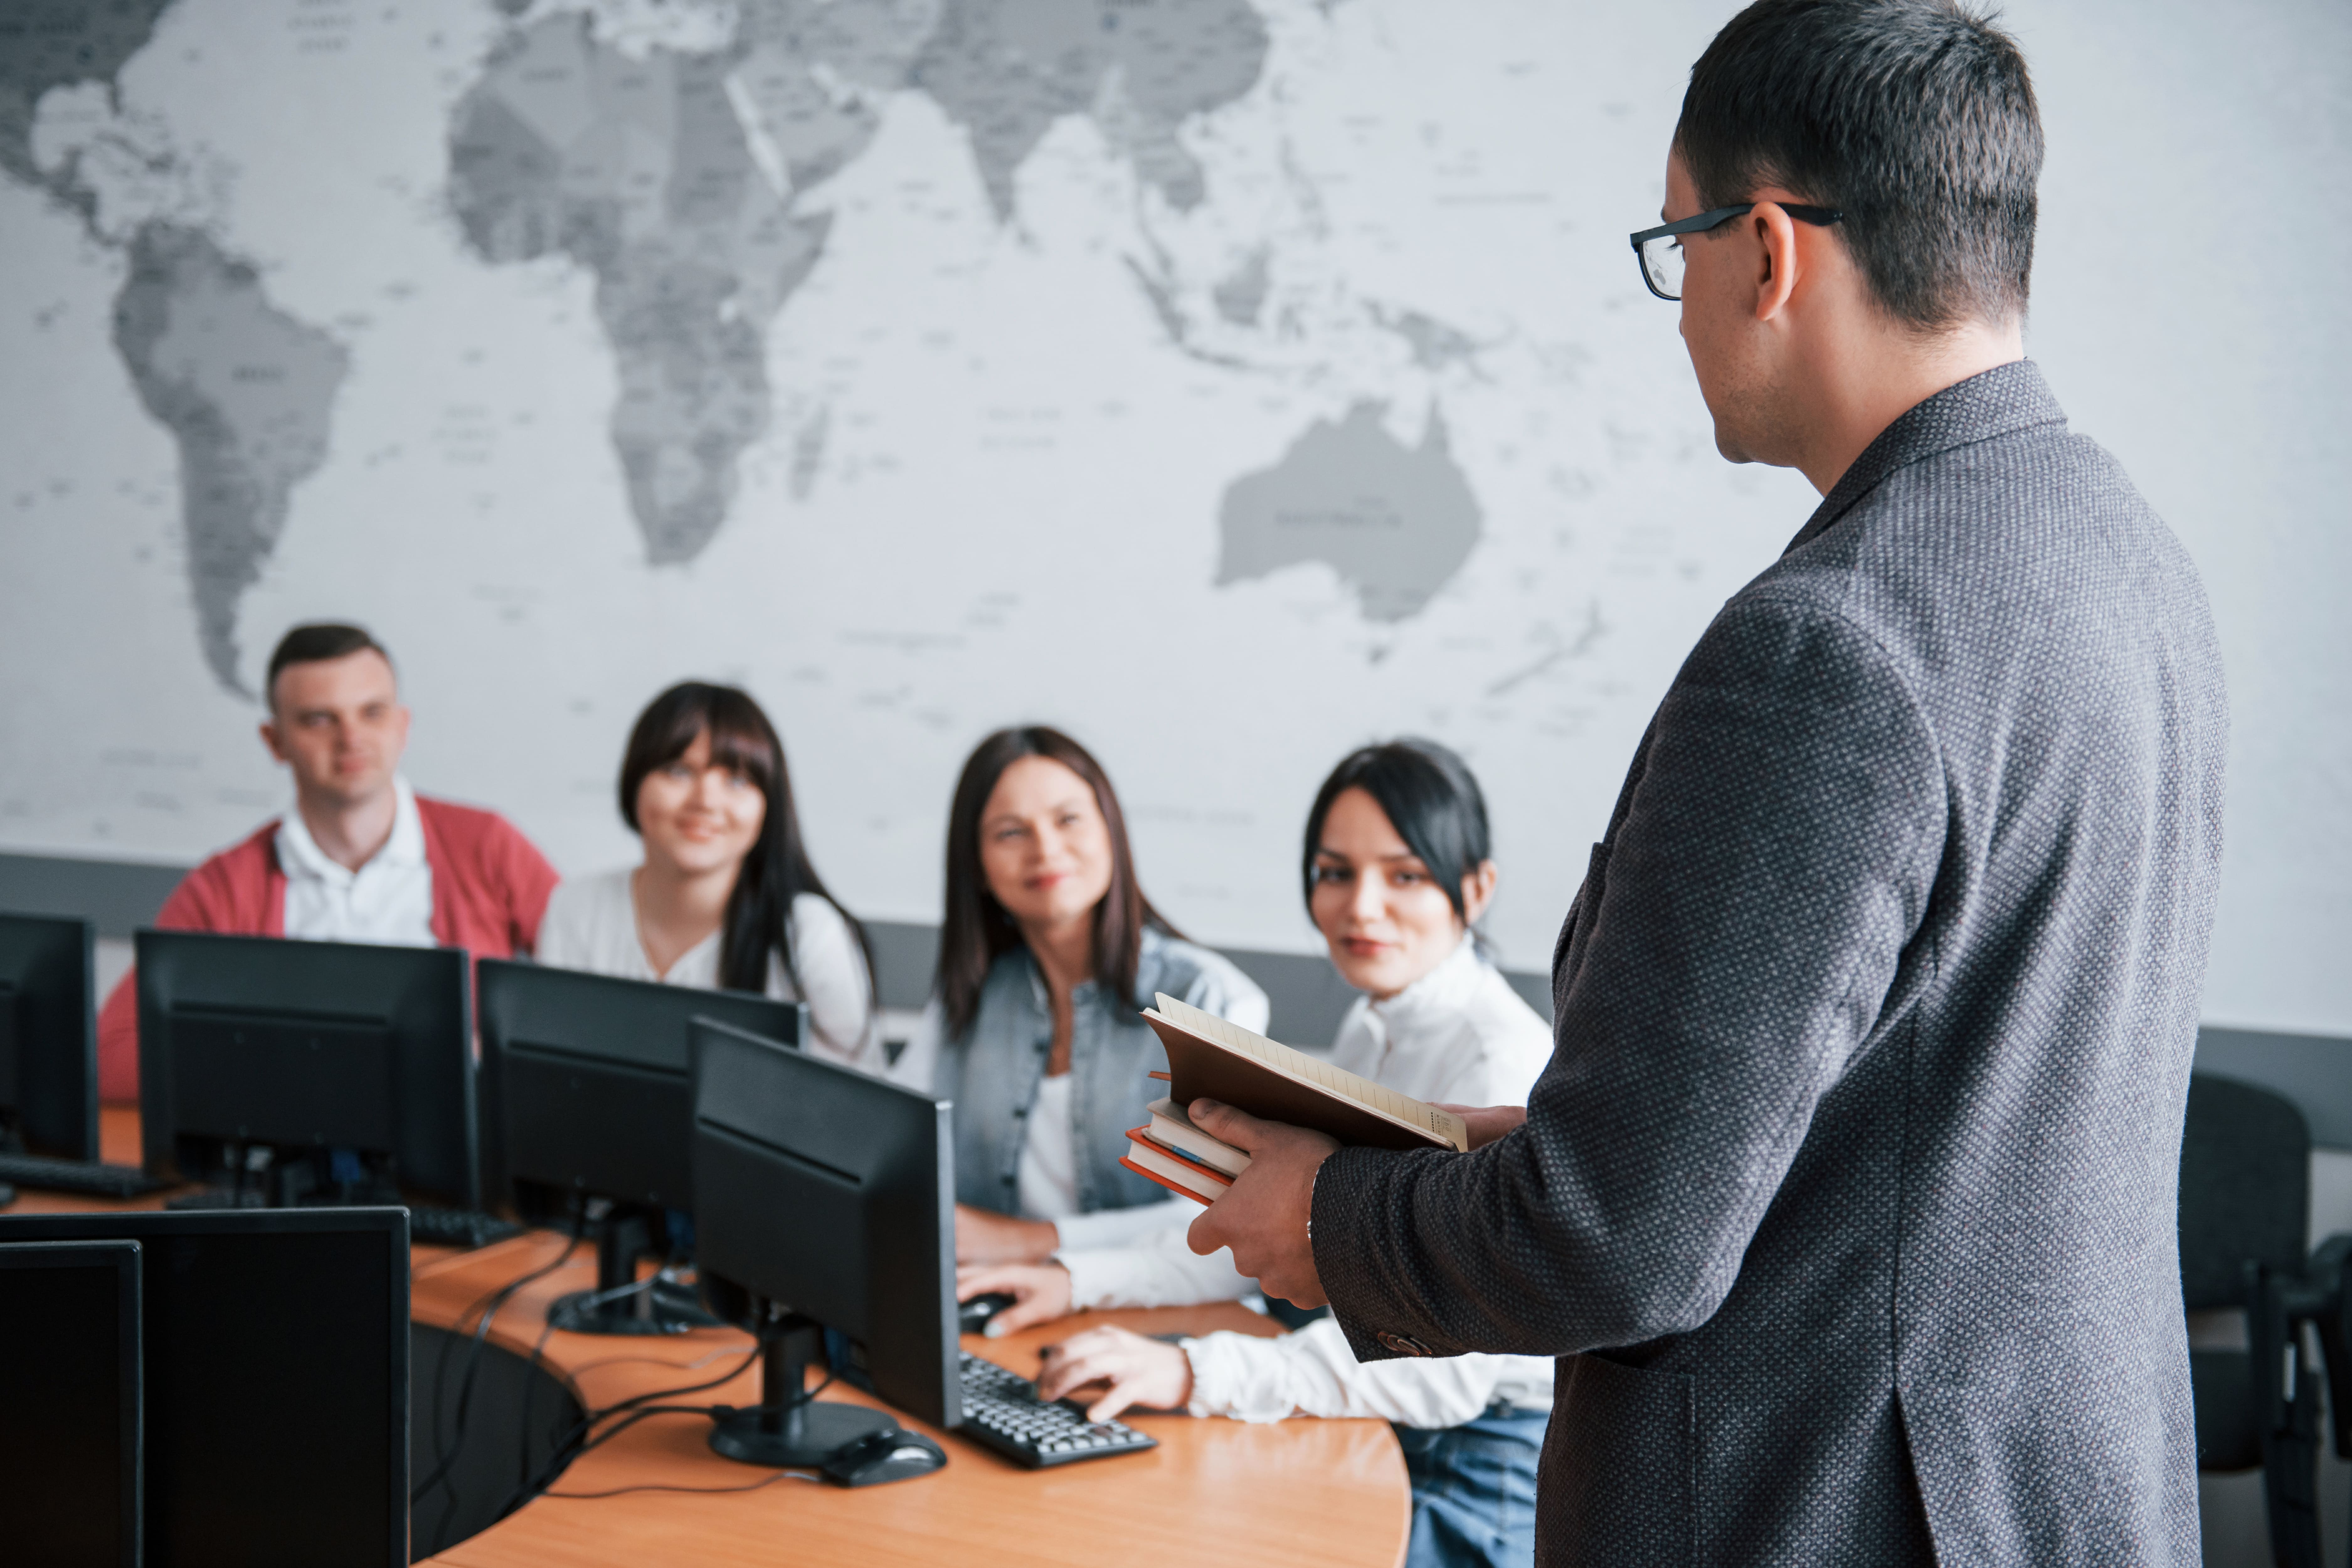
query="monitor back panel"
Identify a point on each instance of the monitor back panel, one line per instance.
(309, 1044)
(48, 1034)
(832, 1192)
(586, 1082)
(70, 1402)
(276, 1375)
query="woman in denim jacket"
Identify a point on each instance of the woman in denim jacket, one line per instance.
(1048, 953)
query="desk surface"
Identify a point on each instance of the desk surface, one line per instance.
(1296, 1492)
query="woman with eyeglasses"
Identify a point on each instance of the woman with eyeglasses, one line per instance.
(1397, 870)
(726, 897)
(1048, 953)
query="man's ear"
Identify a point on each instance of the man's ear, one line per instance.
(269, 739)
(1776, 263)
(1478, 891)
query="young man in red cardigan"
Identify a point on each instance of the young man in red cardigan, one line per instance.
(361, 858)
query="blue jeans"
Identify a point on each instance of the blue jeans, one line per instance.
(1473, 1491)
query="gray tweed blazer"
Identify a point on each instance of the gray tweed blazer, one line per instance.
(1848, 1199)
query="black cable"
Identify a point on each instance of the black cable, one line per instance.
(570, 1447)
(488, 1305)
(657, 1487)
(523, 1472)
(494, 1299)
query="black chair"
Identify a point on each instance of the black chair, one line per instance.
(2245, 1207)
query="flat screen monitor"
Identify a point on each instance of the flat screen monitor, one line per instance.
(274, 1370)
(49, 1037)
(586, 1091)
(69, 1328)
(324, 1071)
(829, 1195)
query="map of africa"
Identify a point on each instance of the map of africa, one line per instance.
(1230, 381)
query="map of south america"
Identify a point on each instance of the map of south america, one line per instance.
(247, 391)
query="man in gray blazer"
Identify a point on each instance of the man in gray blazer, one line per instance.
(1848, 1197)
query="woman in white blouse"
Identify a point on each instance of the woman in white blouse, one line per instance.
(1397, 872)
(726, 897)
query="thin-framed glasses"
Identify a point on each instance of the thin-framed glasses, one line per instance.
(1660, 250)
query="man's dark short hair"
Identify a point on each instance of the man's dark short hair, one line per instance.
(312, 644)
(1914, 118)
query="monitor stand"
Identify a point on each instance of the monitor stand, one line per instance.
(621, 1304)
(789, 1428)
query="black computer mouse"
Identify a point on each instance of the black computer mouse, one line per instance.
(894, 1455)
(973, 1316)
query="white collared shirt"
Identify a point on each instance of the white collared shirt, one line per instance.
(1460, 1034)
(388, 900)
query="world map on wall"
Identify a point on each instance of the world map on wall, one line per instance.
(1151, 365)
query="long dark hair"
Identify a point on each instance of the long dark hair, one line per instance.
(776, 868)
(977, 931)
(1432, 801)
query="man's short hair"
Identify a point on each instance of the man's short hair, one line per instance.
(316, 642)
(1914, 118)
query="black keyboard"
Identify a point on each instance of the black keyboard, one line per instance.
(86, 1177)
(458, 1227)
(1002, 1411)
(439, 1226)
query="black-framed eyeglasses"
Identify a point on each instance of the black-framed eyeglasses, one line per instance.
(1659, 250)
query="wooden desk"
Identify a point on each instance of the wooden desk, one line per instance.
(1294, 1493)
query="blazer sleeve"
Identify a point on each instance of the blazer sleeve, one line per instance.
(1739, 932)
(201, 902)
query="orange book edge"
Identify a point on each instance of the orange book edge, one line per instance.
(1143, 1135)
(1156, 1176)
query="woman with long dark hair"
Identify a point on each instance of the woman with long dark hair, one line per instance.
(1397, 867)
(1048, 953)
(726, 897)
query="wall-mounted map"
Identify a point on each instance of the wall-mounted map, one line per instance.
(1229, 381)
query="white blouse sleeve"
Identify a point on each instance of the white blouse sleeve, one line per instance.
(1313, 1372)
(563, 938)
(1156, 1269)
(835, 984)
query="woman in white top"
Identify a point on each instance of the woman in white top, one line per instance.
(726, 897)
(1397, 872)
(1047, 954)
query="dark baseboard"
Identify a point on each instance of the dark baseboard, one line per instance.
(1308, 997)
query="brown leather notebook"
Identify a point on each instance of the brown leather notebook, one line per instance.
(1209, 1056)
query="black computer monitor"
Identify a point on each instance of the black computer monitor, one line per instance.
(586, 1092)
(306, 1072)
(276, 1377)
(49, 1037)
(70, 1402)
(823, 1199)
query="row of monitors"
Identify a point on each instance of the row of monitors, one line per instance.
(246, 1369)
(305, 1067)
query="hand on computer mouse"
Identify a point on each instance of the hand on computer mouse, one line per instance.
(1040, 1292)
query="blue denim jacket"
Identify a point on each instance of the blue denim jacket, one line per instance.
(993, 1070)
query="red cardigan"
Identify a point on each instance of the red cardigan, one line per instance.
(490, 888)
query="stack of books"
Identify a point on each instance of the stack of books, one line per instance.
(1181, 1157)
(1210, 1057)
